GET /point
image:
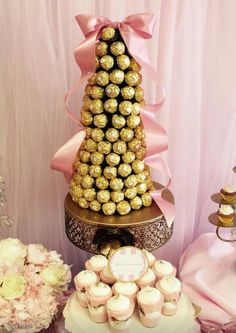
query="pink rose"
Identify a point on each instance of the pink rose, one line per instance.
(37, 254)
(5, 312)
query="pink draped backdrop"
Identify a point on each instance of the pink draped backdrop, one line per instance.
(193, 49)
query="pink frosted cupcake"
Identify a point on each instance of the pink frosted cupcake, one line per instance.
(170, 287)
(106, 276)
(150, 302)
(162, 268)
(96, 263)
(128, 289)
(169, 308)
(82, 282)
(120, 310)
(150, 257)
(97, 296)
(148, 279)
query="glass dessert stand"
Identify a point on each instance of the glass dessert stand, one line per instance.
(92, 231)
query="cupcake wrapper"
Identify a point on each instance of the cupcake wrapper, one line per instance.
(122, 315)
(96, 301)
(151, 307)
(169, 312)
(80, 286)
(161, 275)
(81, 297)
(172, 296)
(147, 321)
(100, 317)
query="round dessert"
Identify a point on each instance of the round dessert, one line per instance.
(128, 289)
(170, 287)
(226, 214)
(228, 193)
(107, 277)
(150, 302)
(162, 268)
(96, 263)
(82, 282)
(150, 257)
(148, 279)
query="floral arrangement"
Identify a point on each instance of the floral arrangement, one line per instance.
(33, 281)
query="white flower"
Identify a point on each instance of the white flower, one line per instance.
(56, 275)
(37, 254)
(12, 251)
(13, 286)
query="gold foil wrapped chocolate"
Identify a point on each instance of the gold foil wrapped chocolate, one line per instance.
(108, 33)
(90, 145)
(109, 208)
(87, 182)
(128, 157)
(116, 184)
(97, 134)
(95, 171)
(110, 172)
(84, 156)
(101, 49)
(139, 94)
(118, 121)
(86, 102)
(136, 203)
(76, 192)
(96, 106)
(111, 105)
(123, 61)
(83, 169)
(134, 65)
(141, 176)
(95, 205)
(125, 108)
(133, 78)
(107, 62)
(123, 207)
(126, 134)
(103, 196)
(97, 158)
(134, 145)
(112, 90)
(136, 108)
(117, 48)
(117, 196)
(100, 120)
(119, 147)
(113, 159)
(102, 183)
(112, 134)
(138, 166)
(104, 147)
(92, 79)
(83, 203)
(102, 78)
(89, 194)
(141, 188)
(124, 170)
(140, 154)
(133, 121)
(97, 92)
(130, 193)
(131, 181)
(127, 92)
(117, 76)
(86, 118)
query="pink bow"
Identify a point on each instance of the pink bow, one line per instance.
(134, 30)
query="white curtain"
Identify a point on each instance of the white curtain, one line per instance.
(193, 49)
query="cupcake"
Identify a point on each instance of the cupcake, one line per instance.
(148, 279)
(150, 257)
(120, 310)
(228, 193)
(97, 296)
(106, 276)
(128, 289)
(226, 214)
(170, 287)
(82, 282)
(169, 308)
(96, 263)
(150, 301)
(162, 268)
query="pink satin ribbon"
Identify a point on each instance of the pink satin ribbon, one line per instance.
(134, 30)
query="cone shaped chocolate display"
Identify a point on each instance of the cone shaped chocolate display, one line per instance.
(110, 175)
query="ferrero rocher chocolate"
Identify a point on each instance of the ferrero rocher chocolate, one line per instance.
(112, 134)
(86, 102)
(88, 88)
(102, 183)
(100, 120)
(125, 108)
(97, 158)
(83, 203)
(102, 78)
(140, 154)
(142, 188)
(83, 169)
(117, 48)
(87, 182)
(130, 193)
(132, 78)
(90, 145)
(123, 207)
(126, 134)
(92, 79)
(113, 159)
(117, 196)
(133, 121)
(110, 172)
(96, 106)
(111, 105)
(107, 62)
(127, 92)
(117, 76)
(97, 134)
(112, 90)
(131, 181)
(136, 109)
(89, 194)
(97, 92)
(84, 156)
(119, 147)
(77, 178)
(76, 192)
(116, 184)
(95, 171)
(136, 203)
(139, 94)
(118, 121)
(88, 131)
(128, 157)
(95, 205)
(134, 65)
(109, 208)
(103, 196)
(108, 33)
(104, 147)
(101, 49)
(138, 166)
(123, 61)
(135, 145)
(141, 177)
(124, 170)
(86, 118)
(139, 134)
(97, 62)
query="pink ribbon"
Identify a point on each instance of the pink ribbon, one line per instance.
(134, 30)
